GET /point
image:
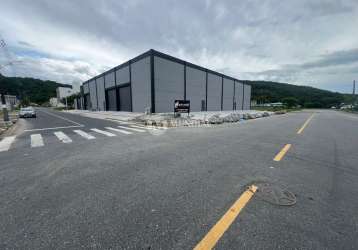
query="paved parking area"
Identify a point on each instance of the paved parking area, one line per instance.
(185, 188)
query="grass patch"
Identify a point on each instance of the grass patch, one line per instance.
(274, 109)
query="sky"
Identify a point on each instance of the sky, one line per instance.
(303, 42)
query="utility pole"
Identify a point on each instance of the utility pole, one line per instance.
(4, 109)
(354, 93)
(354, 87)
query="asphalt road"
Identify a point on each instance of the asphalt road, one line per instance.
(167, 190)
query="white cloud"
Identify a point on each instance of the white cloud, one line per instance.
(71, 41)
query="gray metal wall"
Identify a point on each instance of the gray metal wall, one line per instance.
(125, 101)
(109, 80)
(195, 87)
(122, 75)
(214, 92)
(101, 94)
(247, 97)
(93, 95)
(112, 99)
(238, 95)
(228, 94)
(85, 88)
(169, 84)
(141, 91)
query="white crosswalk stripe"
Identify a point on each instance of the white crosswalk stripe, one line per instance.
(36, 140)
(102, 132)
(63, 137)
(133, 129)
(5, 143)
(156, 128)
(147, 127)
(141, 127)
(119, 130)
(84, 134)
(123, 122)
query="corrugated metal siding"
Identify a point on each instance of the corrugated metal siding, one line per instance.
(238, 95)
(247, 97)
(122, 75)
(195, 87)
(109, 80)
(101, 93)
(93, 95)
(228, 94)
(85, 88)
(214, 92)
(141, 91)
(169, 84)
(87, 101)
(112, 99)
(125, 99)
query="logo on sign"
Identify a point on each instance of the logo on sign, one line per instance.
(182, 106)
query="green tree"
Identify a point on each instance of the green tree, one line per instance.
(36, 90)
(25, 102)
(290, 102)
(307, 96)
(70, 99)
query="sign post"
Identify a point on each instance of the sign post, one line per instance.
(181, 106)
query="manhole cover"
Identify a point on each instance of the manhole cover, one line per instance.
(275, 194)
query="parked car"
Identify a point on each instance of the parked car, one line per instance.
(27, 112)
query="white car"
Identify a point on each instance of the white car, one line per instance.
(27, 112)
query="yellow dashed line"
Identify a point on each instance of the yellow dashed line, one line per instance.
(282, 153)
(305, 124)
(216, 232)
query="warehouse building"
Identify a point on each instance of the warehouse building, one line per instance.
(153, 80)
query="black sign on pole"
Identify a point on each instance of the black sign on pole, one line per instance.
(181, 106)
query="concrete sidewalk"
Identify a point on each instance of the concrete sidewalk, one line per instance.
(168, 119)
(107, 115)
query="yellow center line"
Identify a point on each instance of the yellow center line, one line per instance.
(282, 153)
(305, 124)
(217, 231)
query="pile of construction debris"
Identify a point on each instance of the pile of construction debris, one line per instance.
(200, 118)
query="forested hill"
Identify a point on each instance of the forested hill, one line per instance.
(35, 90)
(265, 92)
(39, 91)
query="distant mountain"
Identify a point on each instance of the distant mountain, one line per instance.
(35, 90)
(39, 91)
(265, 92)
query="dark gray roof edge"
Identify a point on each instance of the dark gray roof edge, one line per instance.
(168, 57)
(175, 59)
(135, 59)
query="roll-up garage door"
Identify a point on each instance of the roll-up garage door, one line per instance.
(125, 99)
(111, 99)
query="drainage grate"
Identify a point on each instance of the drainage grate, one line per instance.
(275, 194)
